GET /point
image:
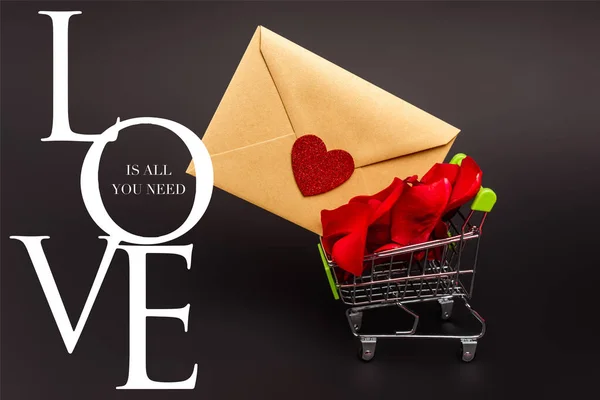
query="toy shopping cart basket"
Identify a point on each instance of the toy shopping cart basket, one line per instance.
(407, 275)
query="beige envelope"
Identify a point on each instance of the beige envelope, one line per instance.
(281, 91)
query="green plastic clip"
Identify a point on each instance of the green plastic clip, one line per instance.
(484, 201)
(328, 273)
(451, 245)
(457, 159)
(486, 198)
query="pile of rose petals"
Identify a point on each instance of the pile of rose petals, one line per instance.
(409, 211)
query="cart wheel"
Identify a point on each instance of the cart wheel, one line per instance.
(356, 320)
(366, 350)
(467, 349)
(446, 305)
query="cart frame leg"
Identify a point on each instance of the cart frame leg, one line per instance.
(355, 319)
(367, 347)
(446, 304)
(468, 348)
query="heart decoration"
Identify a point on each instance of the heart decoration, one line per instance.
(317, 170)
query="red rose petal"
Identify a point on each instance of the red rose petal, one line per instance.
(468, 183)
(440, 171)
(416, 213)
(343, 221)
(382, 202)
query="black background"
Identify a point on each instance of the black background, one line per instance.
(520, 79)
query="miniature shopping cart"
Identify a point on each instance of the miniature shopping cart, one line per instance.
(408, 275)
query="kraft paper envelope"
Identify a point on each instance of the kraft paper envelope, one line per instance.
(281, 91)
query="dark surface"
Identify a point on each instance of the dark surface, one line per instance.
(520, 80)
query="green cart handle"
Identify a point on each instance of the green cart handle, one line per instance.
(486, 198)
(329, 273)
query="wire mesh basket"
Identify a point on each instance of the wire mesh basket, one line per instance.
(441, 270)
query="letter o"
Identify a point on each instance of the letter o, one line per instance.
(90, 185)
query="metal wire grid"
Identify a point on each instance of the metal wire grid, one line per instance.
(407, 274)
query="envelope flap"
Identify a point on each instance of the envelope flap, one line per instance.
(251, 110)
(346, 111)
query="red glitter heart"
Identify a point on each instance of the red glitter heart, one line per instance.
(317, 170)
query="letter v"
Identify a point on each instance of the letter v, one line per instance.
(70, 336)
